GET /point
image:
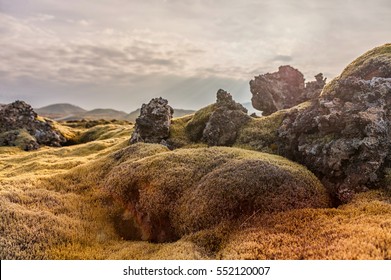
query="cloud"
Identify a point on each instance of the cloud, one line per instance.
(282, 58)
(155, 46)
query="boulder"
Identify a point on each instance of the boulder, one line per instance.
(153, 124)
(225, 122)
(20, 126)
(283, 89)
(218, 124)
(344, 135)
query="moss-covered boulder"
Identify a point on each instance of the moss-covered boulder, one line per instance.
(21, 126)
(343, 137)
(171, 194)
(219, 123)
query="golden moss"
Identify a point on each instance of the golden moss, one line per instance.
(69, 133)
(52, 205)
(360, 230)
(103, 132)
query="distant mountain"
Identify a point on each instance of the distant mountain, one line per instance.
(65, 112)
(106, 114)
(177, 113)
(60, 110)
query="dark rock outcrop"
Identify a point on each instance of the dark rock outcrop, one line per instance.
(344, 135)
(153, 124)
(283, 89)
(20, 126)
(218, 124)
(225, 122)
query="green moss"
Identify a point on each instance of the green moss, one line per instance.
(196, 125)
(379, 53)
(22, 138)
(378, 56)
(178, 136)
(261, 133)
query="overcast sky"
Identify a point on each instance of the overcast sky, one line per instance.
(121, 53)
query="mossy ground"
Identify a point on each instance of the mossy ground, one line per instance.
(379, 56)
(381, 53)
(53, 206)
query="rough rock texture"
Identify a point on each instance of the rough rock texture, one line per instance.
(314, 88)
(20, 126)
(225, 122)
(218, 124)
(283, 89)
(153, 124)
(344, 136)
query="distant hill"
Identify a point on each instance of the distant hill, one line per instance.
(106, 114)
(65, 112)
(177, 113)
(61, 110)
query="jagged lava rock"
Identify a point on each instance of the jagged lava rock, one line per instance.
(283, 89)
(153, 124)
(225, 122)
(344, 136)
(218, 124)
(18, 120)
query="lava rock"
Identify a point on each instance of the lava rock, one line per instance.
(153, 124)
(20, 126)
(283, 89)
(218, 124)
(225, 122)
(344, 135)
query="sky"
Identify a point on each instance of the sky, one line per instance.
(121, 53)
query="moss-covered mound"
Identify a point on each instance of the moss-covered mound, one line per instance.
(374, 63)
(175, 193)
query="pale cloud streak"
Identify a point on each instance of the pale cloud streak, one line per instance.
(185, 49)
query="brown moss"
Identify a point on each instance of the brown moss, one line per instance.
(175, 193)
